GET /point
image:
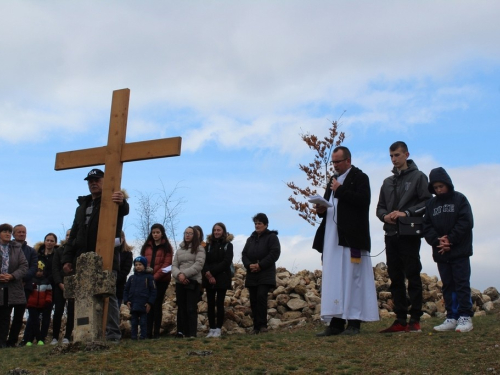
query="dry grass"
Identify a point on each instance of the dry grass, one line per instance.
(292, 351)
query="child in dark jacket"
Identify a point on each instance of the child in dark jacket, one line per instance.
(448, 229)
(139, 295)
(39, 301)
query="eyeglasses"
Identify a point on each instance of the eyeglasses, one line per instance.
(188, 233)
(335, 162)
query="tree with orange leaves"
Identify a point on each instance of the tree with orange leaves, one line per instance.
(318, 172)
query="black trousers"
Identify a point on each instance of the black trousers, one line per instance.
(60, 303)
(258, 303)
(187, 308)
(5, 311)
(403, 262)
(213, 303)
(155, 314)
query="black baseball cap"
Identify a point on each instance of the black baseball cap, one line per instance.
(94, 173)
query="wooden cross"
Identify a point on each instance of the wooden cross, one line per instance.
(113, 156)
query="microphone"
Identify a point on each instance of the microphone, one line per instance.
(335, 175)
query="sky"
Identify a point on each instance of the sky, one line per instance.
(239, 81)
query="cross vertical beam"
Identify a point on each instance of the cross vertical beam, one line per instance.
(113, 176)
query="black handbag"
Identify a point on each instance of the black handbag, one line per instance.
(411, 226)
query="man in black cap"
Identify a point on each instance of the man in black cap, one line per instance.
(83, 238)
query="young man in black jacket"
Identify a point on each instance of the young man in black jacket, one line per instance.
(401, 195)
(448, 229)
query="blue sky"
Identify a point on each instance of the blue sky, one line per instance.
(239, 81)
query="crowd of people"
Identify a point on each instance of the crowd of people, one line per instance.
(32, 278)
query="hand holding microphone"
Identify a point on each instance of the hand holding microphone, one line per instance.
(334, 183)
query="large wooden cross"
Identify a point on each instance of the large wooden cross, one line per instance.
(113, 156)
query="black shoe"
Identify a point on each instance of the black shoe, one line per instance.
(329, 331)
(22, 343)
(255, 331)
(351, 331)
(179, 335)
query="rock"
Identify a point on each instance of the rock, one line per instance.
(300, 289)
(384, 296)
(430, 308)
(279, 290)
(297, 300)
(488, 306)
(296, 304)
(492, 293)
(290, 315)
(282, 299)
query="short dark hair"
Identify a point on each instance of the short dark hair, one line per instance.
(345, 151)
(6, 227)
(261, 218)
(399, 144)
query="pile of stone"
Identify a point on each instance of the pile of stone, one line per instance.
(297, 301)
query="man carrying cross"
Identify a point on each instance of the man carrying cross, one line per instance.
(83, 238)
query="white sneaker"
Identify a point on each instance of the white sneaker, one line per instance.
(211, 333)
(448, 325)
(464, 324)
(65, 341)
(54, 342)
(217, 332)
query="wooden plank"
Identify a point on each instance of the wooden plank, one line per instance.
(112, 177)
(80, 158)
(158, 148)
(155, 149)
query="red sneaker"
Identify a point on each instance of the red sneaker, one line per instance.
(414, 327)
(395, 327)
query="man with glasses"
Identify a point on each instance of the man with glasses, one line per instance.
(83, 238)
(347, 286)
(403, 194)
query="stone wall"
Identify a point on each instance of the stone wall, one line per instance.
(297, 300)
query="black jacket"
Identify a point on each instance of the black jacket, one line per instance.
(126, 260)
(353, 211)
(411, 187)
(265, 250)
(83, 238)
(139, 290)
(218, 261)
(47, 260)
(448, 214)
(31, 256)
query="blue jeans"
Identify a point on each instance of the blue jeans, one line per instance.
(456, 287)
(139, 318)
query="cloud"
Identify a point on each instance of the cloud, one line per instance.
(244, 59)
